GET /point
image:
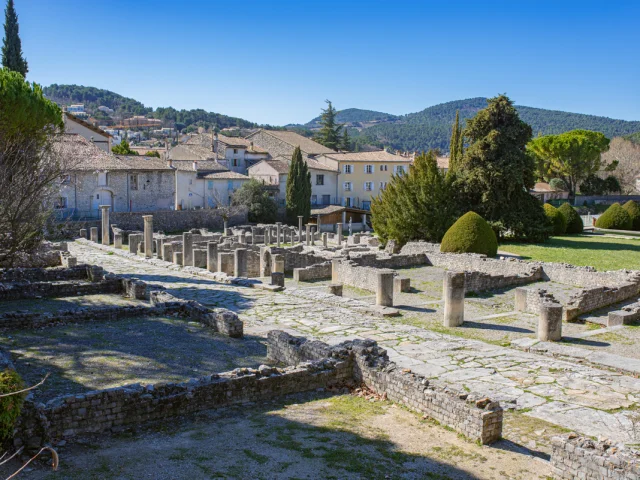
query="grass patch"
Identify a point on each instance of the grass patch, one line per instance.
(599, 251)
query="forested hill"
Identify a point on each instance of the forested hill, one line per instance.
(356, 115)
(125, 107)
(431, 127)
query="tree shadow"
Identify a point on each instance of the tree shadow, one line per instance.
(494, 326)
(584, 341)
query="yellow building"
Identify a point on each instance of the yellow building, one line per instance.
(363, 175)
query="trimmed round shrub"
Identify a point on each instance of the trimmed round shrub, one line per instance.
(10, 407)
(470, 234)
(615, 218)
(633, 210)
(574, 222)
(556, 219)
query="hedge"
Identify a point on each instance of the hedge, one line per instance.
(633, 210)
(615, 218)
(574, 222)
(470, 234)
(556, 219)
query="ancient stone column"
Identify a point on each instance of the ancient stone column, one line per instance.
(93, 232)
(325, 238)
(277, 263)
(335, 276)
(313, 236)
(225, 228)
(212, 256)
(178, 258)
(253, 235)
(384, 288)
(278, 233)
(105, 224)
(83, 233)
(319, 223)
(167, 251)
(339, 232)
(187, 249)
(401, 284)
(117, 240)
(148, 235)
(277, 278)
(133, 243)
(241, 238)
(550, 322)
(267, 236)
(335, 289)
(308, 235)
(240, 262)
(300, 217)
(453, 291)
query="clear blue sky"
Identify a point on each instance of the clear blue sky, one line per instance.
(277, 61)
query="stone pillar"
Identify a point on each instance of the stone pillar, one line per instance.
(277, 262)
(83, 233)
(278, 233)
(178, 258)
(240, 262)
(267, 236)
(253, 235)
(453, 291)
(319, 223)
(335, 277)
(133, 243)
(241, 238)
(308, 233)
(148, 235)
(325, 237)
(93, 232)
(277, 278)
(335, 289)
(364, 222)
(339, 232)
(550, 322)
(117, 240)
(313, 236)
(384, 288)
(401, 284)
(187, 249)
(167, 251)
(212, 256)
(225, 262)
(300, 217)
(224, 228)
(105, 224)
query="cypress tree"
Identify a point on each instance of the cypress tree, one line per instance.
(12, 57)
(298, 195)
(329, 134)
(454, 143)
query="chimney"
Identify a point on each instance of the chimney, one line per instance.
(195, 166)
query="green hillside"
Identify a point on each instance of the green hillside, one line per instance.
(431, 127)
(634, 137)
(125, 107)
(356, 115)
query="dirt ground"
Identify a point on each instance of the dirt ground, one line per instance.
(304, 436)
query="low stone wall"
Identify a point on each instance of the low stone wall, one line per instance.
(390, 261)
(350, 273)
(320, 271)
(476, 417)
(53, 274)
(580, 457)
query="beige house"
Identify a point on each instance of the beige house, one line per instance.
(73, 124)
(545, 192)
(363, 175)
(282, 143)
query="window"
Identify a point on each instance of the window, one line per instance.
(347, 201)
(348, 169)
(398, 169)
(314, 199)
(133, 182)
(210, 184)
(368, 169)
(235, 150)
(326, 199)
(368, 186)
(347, 186)
(230, 185)
(384, 168)
(383, 185)
(61, 202)
(235, 162)
(319, 179)
(366, 205)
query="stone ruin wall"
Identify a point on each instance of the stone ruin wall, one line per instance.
(580, 457)
(479, 419)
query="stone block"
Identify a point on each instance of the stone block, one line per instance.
(401, 284)
(335, 289)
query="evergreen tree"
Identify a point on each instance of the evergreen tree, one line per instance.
(329, 134)
(298, 196)
(12, 47)
(416, 206)
(454, 143)
(496, 172)
(346, 141)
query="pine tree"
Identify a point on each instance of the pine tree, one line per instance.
(329, 134)
(346, 141)
(12, 47)
(298, 195)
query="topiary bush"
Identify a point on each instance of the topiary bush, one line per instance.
(633, 210)
(574, 222)
(615, 218)
(10, 407)
(556, 219)
(470, 234)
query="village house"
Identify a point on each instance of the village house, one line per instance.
(545, 192)
(363, 175)
(282, 143)
(74, 124)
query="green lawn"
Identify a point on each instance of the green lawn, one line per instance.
(599, 251)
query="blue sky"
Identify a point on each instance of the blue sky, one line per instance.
(277, 61)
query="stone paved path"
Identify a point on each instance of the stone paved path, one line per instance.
(588, 400)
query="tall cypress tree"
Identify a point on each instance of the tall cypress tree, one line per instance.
(329, 134)
(455, 146)
(298, 196)
(12, 47)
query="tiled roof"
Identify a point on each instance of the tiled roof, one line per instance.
(377, 156)
(209, 166)
(204, 140)
(279, 166)
(294, 139)
(327, 210)
(226, 176)
(316, 165)
(88, 125)
(133, 162)
(190, 151)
